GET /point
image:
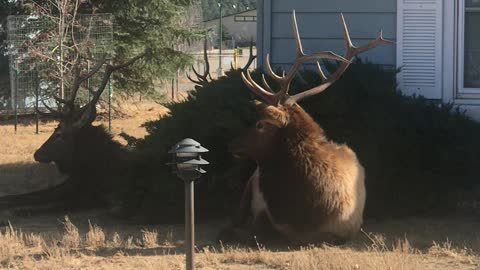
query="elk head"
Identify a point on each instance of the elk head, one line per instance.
(72, 117)
(278, 111)
(257, 142)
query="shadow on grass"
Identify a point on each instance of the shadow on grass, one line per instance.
(25, 177)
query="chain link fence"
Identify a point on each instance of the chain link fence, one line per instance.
(29, 78)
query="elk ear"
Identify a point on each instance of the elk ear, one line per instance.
(257, 103)
(86, 117)
(273, 115)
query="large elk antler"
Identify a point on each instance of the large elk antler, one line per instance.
(251, 57)
(250, 60)
(87, 112)
(282, 97)
(202, 79)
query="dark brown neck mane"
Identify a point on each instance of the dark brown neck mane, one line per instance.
(300, 130)
(284, 176)
(302, 127)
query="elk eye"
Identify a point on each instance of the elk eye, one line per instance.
(260, 125)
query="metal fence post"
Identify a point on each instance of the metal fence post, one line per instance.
(36, 102)
(110, 94)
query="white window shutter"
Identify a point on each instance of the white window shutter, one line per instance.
(419, 47)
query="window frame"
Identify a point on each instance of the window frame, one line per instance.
(461, 52)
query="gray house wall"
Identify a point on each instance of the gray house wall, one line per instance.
(320, 27)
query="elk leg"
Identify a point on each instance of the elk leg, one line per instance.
(63, 195)
(40, 196)
(302, 238)
(320, 238)
(236, 230)
(257, 231)
(245, 205)
(251, 225)
(265, 233)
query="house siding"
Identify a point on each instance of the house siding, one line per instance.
(320, 27)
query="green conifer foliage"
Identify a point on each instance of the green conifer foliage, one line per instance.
(161, 25)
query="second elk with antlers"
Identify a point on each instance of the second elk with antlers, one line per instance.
(96, 166)
(308, 188)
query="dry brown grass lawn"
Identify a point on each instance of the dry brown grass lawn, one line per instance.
(93, 240)
(54, 242)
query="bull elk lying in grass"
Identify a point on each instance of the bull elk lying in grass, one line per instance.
(308, 188)
(86, 153)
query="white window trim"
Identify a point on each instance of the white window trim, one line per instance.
(449, 48)
(470, 102)
(462, 91)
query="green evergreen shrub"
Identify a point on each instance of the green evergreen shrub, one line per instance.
(417, 153)
(212, 115)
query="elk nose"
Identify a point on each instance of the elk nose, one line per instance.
(233, 146)
(39, 157)
(36, 156)
(236, 148)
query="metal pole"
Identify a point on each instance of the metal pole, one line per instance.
(173, 89)
(220, 43)
(88, 80)
(189, 224)
(36, 103)
(110, 94)
(235, 57)
(176, 84)
(16, 99)
(173, 83)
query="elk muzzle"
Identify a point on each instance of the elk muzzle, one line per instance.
(238, 148)
(40, 156)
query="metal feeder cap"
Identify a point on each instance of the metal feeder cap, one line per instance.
(188, 146)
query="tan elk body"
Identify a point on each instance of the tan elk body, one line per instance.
(306, 184)
(309, 188)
